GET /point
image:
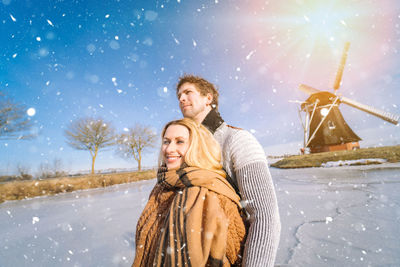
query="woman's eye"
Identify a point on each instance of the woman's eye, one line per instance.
(180, 141)
(165, 142)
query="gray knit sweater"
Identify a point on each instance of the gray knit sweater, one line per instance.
(245, 162)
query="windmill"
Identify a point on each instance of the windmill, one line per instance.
(324, 126)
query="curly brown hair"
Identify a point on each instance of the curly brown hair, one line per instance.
(202, 85)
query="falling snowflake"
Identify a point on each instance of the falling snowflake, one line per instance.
(114, 80)
(50, 23)
(328, 220)
(176, 40)
(250, 54)
(35, 220)
(9, 213)
(13, 18)
(31, 112)
(150, 15)
(114, 45)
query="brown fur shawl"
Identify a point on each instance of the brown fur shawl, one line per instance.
(192, 218)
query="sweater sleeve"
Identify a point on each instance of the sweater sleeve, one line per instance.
(257, 189)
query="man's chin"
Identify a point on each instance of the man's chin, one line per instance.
(187, 114)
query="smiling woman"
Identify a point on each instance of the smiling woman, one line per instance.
(192, 205)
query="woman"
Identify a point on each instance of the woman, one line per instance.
(192, 217)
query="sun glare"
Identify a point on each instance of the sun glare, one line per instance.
(303, 40)
(324, 24)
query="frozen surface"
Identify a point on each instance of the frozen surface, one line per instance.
(84, 228)
(339, 216)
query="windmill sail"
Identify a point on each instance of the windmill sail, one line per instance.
(308, 89)
(339, 74)
(392, 118)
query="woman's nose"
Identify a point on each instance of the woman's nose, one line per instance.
(171, 147)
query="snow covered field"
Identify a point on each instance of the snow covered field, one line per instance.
(339, 216)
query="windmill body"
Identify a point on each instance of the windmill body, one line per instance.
(324, 126)
(328, 131)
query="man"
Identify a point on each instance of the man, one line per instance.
(245, 162)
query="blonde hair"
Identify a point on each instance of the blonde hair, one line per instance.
(204, 151)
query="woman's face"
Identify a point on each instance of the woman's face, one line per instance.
(175, 144)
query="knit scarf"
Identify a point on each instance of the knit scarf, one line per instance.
(192, 218)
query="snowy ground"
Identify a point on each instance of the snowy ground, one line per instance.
(339, 216)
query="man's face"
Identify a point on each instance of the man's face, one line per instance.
(192, 104)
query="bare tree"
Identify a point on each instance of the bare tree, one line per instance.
(44, 171)
(23, 172)
(13, 120)
(135, 142)
(51, 170)
(90, 134)
(57, 167)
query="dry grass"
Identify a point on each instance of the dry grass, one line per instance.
(390, 153)
(27, 189)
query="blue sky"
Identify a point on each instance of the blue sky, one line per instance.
(120, 60)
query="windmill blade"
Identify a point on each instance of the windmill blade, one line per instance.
(308, 89)
(387, 116)
(339, 74)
